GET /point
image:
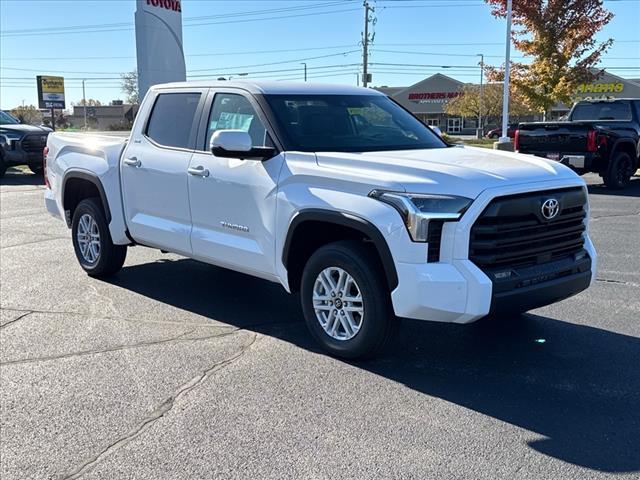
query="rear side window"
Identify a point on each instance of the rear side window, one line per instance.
(602, 111)
(172, 119)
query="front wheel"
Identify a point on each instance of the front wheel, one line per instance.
(97, 254)
(3, 166)
(619, 171)
(37, 169)
(346, 302)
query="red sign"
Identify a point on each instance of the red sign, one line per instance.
(168, 4)
(434, 95)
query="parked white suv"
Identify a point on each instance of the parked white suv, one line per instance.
(333, 191)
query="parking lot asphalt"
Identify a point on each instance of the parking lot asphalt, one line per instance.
(174, 369)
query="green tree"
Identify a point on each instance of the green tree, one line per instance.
(468, 104)
(558, 36)
(130, 86)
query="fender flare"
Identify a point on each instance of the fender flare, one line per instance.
(350, 221)
(92, 179)
(623, 142)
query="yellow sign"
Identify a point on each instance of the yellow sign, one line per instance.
(601, 88)
(52, 84)
(50, 92)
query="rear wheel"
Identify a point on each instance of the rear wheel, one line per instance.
(97, 254)
(346, 302)
(619, 171)
(3, 166)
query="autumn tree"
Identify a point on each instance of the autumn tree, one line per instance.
(558, 36)
(468, 104)
(27, 114)
(130, 86)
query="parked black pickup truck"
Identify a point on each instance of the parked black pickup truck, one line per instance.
(21, 144)
(600, 136)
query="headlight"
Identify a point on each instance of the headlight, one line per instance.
(11, 136)
(417, 210)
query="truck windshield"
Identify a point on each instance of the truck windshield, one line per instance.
(6, 119)
(348, 123)
(602, 111)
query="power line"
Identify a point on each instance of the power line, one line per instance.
(63, 31)
(185, 20)
(217, 54)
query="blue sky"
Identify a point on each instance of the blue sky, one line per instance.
(278, 36)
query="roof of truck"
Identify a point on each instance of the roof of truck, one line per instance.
(272, 87)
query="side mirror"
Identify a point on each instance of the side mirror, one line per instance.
(237, 144)
(437, 131)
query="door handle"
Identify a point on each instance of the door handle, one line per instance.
(132, 162)
(198, 171)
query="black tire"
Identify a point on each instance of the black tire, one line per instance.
(378, 323)
(110, 257)
(3, 166)
(619, 172)
(36, 169)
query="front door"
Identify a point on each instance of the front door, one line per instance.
(154, 172)
(454, 125)
(233, 201)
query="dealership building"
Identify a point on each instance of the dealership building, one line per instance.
(427, 99)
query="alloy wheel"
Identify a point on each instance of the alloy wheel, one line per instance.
(88, 236)
(337, 301)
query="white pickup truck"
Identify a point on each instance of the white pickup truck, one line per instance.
(335, 192)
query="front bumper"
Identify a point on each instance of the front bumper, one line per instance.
(462, 293)
(455, 290)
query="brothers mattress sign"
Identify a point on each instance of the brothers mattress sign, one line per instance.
(50, 92)
(159, 43)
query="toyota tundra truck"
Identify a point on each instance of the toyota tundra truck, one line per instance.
(601, 136)
(336, 193)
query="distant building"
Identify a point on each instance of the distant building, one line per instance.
(427, 98)
(117, 116)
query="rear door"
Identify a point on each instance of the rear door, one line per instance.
(154, 170)
(233, 201)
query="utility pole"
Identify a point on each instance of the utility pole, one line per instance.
(480, 132)
(507, 70)
(305, 70)
(84, 100)
(365, 45)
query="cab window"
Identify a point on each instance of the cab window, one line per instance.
(172, 119)
(232, 111)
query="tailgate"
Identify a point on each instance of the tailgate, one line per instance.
(553, 138)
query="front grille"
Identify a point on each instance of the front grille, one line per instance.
(34, 144)
(512, 231)
(435, 239)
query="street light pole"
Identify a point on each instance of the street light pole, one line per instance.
(84, 101)
(480, 130)
(507, 70)
(305, 70)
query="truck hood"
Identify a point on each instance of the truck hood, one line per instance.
(461, 171)
(23, 128)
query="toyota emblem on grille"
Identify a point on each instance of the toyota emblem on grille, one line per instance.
(550, 208)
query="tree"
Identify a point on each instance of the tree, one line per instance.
(130, 86)
(558, 37)
(27, 114)
(468, 104)
(90, 103)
